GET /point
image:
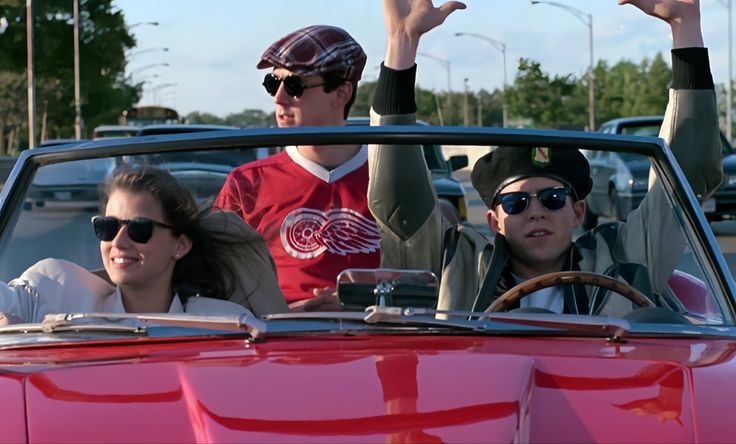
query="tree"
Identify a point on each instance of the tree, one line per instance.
(105, 92)
(550, 102)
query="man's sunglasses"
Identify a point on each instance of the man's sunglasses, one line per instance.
(517, 202)
(293, 85)
(140, 229)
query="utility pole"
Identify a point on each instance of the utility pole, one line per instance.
(445, 64)
(587, 20)
(466, 111)
(729, 84)
(480, 111)
(501, 46)
(78, 123)
(30, 76)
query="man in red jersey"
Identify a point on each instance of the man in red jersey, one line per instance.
(309, 202)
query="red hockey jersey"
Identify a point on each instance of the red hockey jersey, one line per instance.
(316, 221)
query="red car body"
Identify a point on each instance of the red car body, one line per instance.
(381, 388)
(401, 378)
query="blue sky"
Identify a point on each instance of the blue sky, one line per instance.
(214, 45)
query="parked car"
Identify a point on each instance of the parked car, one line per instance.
(54, 142)
(68, 185)
(114, 131)
(203, 172)
(620, 180)
(391, 373)
(179, 128)
(447, 187)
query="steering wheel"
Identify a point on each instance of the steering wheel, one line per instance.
(511, 296)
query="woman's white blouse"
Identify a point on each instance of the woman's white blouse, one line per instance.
(60, 286)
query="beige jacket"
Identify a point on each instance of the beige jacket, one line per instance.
(651, 237)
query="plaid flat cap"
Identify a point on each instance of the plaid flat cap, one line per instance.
(316, 50)
(507, 164)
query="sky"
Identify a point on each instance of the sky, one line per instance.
(214, 46)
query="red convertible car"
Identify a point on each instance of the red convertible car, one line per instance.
(384, 369)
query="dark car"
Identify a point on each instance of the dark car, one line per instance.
(202, 172)
(179, 128)
(391, 372)
(447, 187)
(620, 180)
(68, 185)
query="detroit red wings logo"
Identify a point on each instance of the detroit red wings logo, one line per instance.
(307, 233)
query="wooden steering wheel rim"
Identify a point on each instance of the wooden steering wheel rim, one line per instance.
(513, 295)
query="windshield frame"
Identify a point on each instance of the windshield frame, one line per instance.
(662, 160)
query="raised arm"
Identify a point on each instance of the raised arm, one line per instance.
(406, 21)
(683, 16)
(690, 127)
(400, 193)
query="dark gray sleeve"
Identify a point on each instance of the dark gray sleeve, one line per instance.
(400, 192)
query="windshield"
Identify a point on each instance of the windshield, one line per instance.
(49, 216)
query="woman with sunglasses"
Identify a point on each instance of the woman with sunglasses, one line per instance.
(535, 196)
(161, 253)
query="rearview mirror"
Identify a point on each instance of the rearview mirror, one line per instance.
(361, 288)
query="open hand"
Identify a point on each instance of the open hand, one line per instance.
(415, 17)
(325, 299)
(667, 10)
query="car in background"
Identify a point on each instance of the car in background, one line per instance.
(179, 128)
(389, 372)
(54, 142)
(446, 186)
(620, 180)
(69, 185)
(202, 172)
(114, 131)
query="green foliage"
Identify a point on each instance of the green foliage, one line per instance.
(103, 39)
(623, 90)
(244, 119)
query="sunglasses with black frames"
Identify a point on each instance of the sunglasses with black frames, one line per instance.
(140, 229)
(294, 85)
(517, 202)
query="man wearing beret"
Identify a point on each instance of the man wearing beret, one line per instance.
(536, 195)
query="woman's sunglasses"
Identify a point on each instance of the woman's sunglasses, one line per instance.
(518, 201)
(140, 229)
(293, 85)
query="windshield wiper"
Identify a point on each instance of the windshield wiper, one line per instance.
(607, 326)
(245, 322)
(57, 328)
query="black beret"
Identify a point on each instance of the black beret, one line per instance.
(507, 164)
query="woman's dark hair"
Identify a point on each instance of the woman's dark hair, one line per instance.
(205, 270)
(332, 81)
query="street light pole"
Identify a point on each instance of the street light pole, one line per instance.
(143, 68)
(142, 23)
(445, 64)
(501, 46)
(158, 88)
(31, 76)
(143, 51)
(587, 20)
(729, 84)
(466, 112)
(77, 91)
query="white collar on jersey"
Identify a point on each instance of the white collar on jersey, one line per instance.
(323, 173)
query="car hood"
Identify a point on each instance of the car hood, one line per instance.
(373, 389)
(446, 186)
(729, 164)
